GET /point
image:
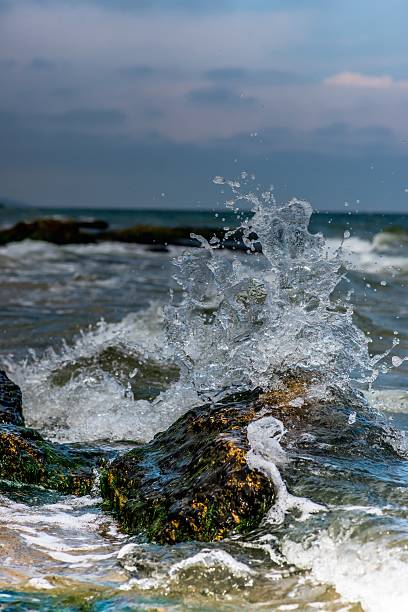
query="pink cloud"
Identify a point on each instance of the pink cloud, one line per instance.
(356, 79)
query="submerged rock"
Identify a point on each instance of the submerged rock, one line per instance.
(27, 458)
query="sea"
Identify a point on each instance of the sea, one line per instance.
(94, 334)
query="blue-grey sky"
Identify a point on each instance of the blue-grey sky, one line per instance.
(139, 103)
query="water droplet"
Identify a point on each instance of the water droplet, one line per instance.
(396, 361)
(346, 234)
(219, 180)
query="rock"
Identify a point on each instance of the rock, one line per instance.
(11, 410)
(192, 482)
(54, 230)
(27, 458)
(62, 232)
(161, 236)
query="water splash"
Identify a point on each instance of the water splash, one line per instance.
(243, 322)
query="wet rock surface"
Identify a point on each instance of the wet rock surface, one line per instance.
(26, 457)
(192, 482)
(11, 408)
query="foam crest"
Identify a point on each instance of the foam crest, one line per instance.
(265, 455)
(364, 572)
(95, 389)
(381, 255)
(66, 539)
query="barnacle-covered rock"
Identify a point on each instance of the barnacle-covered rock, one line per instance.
(192, 482)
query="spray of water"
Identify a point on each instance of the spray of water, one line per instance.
(243, 322)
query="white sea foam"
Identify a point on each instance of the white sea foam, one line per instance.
(212, 558)
(389, 400)
(372, 256)
(201, 565)
(365, 572)
(94, 404)
(265, 455)
(41, 541)
(30, 248)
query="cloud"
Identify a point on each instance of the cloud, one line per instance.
(137, 71)
(86, 168)
(158, 38)
(220, 96)
(254, 77)
(65, 92)
(90, 118)
(41, 64)
(334, 138)
(186, 6)
(356, 79)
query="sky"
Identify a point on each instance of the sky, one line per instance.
(140, 103)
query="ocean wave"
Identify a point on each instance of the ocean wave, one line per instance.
(68, 537)
(84, 392)
(369, 573)
(376, 256)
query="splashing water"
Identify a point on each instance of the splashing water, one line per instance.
(240, 325)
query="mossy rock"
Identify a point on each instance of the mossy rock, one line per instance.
(192, 482)
(27, 458)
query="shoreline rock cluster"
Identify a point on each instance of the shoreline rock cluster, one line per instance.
(193, 481)
(63, 232)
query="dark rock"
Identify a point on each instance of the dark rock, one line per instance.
(53, 230)
(192, 482)
(156, 235)
(27, 458)
(11, 410)
(94, 224)
(62, 232)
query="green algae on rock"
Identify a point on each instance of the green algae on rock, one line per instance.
(27, 458)
(192, 482)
